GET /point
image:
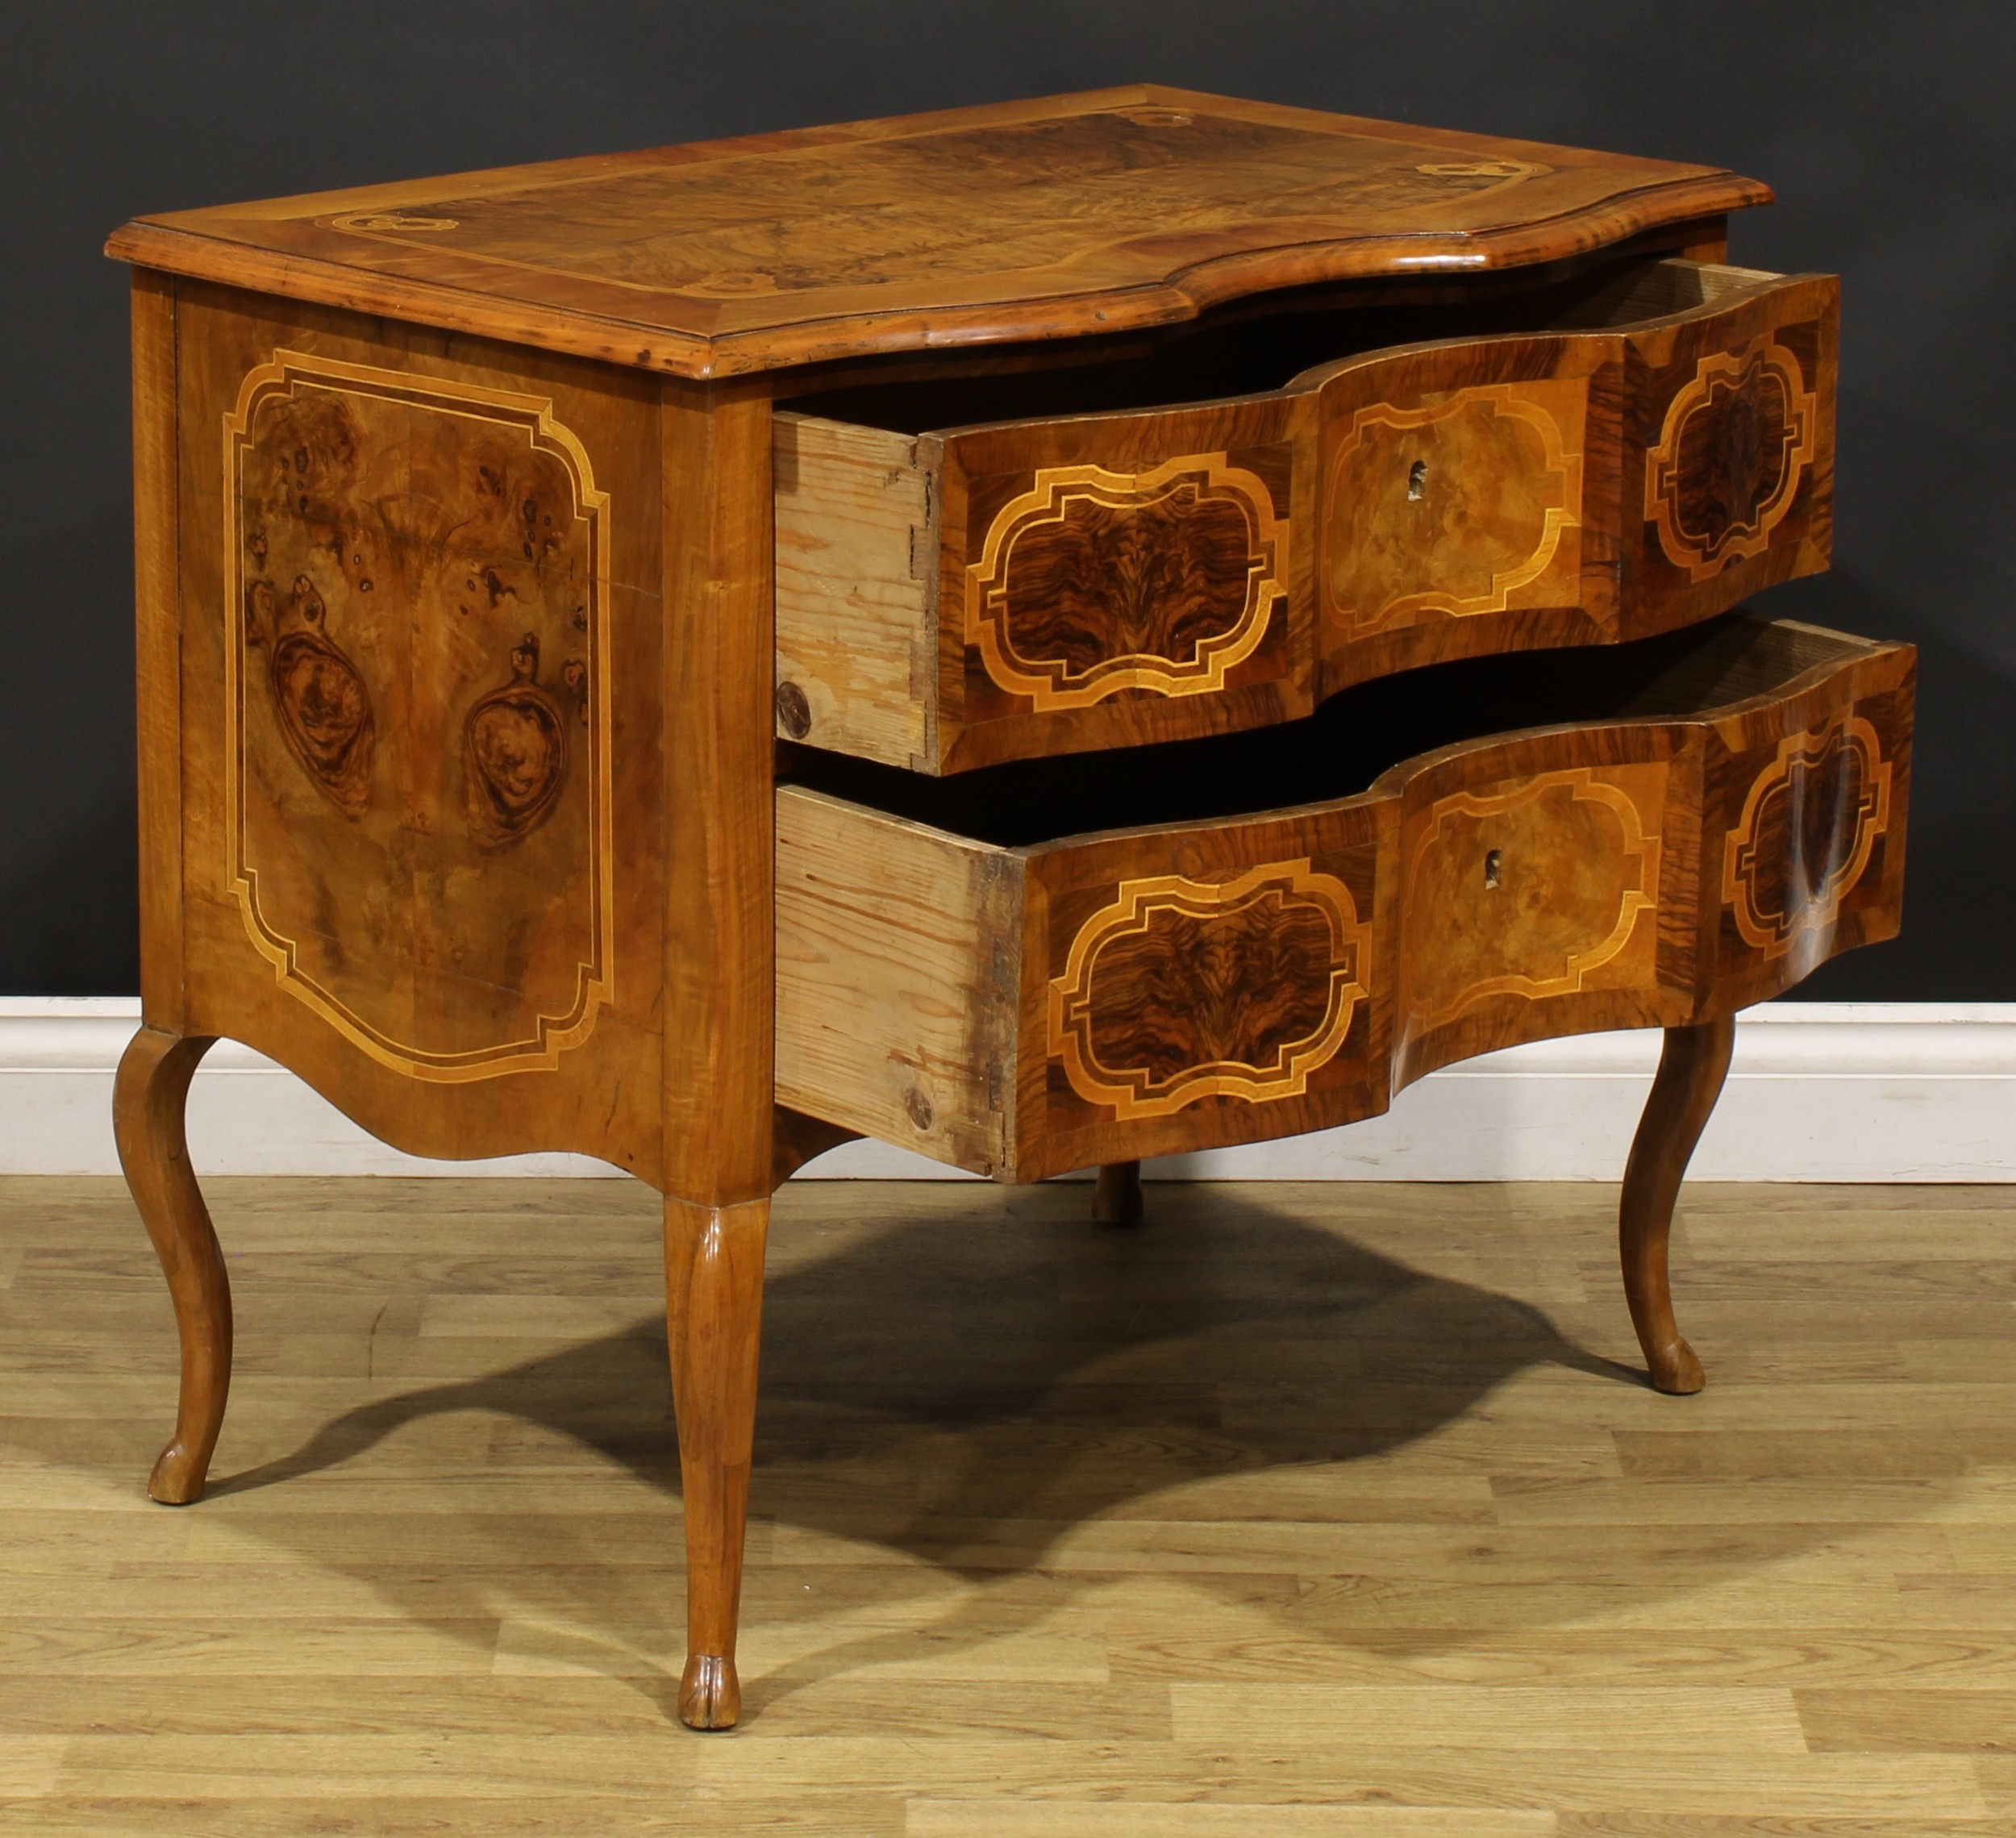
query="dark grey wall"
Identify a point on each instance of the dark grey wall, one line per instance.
(1887, 130)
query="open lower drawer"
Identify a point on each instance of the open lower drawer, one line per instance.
(1269, 933)
(1596, 459)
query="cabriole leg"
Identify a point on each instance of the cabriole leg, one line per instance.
(147, 1102)
(714, 1309)
(1691, 1070)
(1117, 1199)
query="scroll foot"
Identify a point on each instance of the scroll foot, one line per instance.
(1691, 1070)
(709, 1694)
(148, 1099)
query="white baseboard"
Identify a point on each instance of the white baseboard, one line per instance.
(1819, 1091)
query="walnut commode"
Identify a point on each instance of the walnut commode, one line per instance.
(1046, 634)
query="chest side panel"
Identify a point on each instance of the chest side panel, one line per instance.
(418, 609)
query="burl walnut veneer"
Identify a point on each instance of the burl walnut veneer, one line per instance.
(1047, 634)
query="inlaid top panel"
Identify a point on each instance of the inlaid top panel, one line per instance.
(1078, 214)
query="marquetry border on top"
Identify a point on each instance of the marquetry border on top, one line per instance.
(838, 254)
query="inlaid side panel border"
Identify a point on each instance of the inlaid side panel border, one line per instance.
(516, 739)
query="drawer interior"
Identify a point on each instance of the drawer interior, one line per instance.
(1340, 750)
(1253, 351)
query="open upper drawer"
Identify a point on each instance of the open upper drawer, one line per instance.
(1057, 963)
(1584, 463)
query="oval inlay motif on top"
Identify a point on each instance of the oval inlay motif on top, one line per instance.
(1179, 989)
(1092, 582)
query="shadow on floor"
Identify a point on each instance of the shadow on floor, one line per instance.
(969, 1390)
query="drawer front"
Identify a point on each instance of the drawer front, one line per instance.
(1531, 891)
(1804, 809)
(1212, 983)
(1577, 489)
(1058, 585)
(1117, 583)
(1465, 496)
(1023, 1012)
(1728, 452)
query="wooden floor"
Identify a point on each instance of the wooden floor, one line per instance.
(1297, 1511)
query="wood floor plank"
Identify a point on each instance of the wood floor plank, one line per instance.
(1726, 1721)
(1715, 1825)
(29, 1764)
(529, 1815)
(386, 1763)
(1710, 1658)
(1872, 1718)
(1102, 1818)
(1321, 1510)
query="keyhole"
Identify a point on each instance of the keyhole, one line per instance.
(1493, 860)
(1416, 482)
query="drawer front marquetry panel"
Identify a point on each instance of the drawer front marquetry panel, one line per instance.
(1809, 856)
(1810, 821)
(1180, 989)
(1453, 504)
(1118, 580)
(1734, 418)
(1529, 889)
(1733, 451)
(1092, 582)
(1207, 985)
(418, 804)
